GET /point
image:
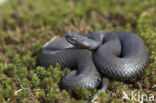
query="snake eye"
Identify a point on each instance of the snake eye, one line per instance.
(72, 38)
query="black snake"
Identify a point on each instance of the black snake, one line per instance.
(95, 57)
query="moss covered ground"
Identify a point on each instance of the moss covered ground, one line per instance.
(25, 25)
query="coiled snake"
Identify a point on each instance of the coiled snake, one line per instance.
(95, 57)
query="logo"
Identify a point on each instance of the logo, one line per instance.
(138, 97)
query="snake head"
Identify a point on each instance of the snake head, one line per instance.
(82, 41)
(71, 38)
(75, 39)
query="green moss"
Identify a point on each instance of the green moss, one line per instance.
(114, 85)
(83, 93)
(153, 79)
(25, 26)
(34, 79)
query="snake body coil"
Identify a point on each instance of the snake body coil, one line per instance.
(115, 55)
